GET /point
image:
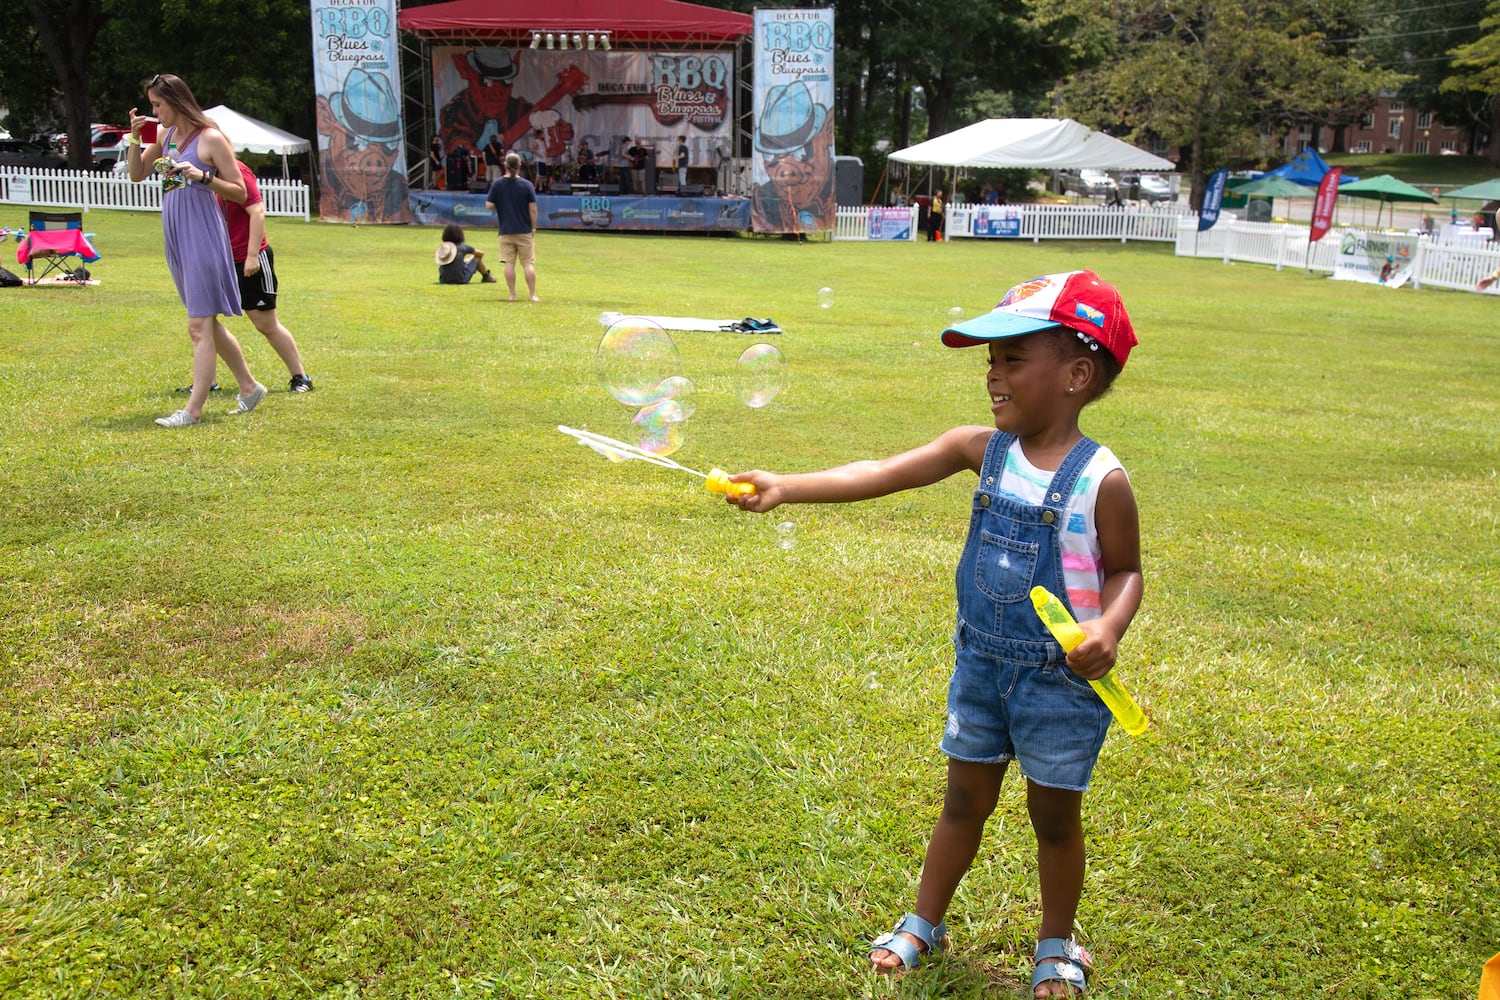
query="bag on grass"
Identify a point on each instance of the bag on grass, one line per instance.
(8, 280)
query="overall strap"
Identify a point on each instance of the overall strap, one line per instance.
(1060, 490)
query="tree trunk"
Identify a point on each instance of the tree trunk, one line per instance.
(1492, 143)
(69, 46)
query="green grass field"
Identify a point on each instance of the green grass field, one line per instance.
(391, 690)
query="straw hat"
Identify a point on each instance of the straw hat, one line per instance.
(445, 253)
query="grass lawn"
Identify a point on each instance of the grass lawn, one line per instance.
(391, 690)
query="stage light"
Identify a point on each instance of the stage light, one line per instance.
(604, 40)
(593, 40)
(551, 40)
(536, 39)
(577, 41)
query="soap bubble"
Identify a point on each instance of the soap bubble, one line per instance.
(634, 358)
(955, 315)
(658, 427)
(680, 390)
(762, 374)
(825, 298)
(786, 534)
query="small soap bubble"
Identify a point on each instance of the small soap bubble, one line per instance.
(762, 374)
(634, 357)
(786, 534)
(658, 427)
(680, 390)
(825, 297)
(955, 315)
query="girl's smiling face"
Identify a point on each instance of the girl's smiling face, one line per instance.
(1027, 382)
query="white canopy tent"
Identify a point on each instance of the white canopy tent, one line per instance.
(249, 135)
(1035, 143)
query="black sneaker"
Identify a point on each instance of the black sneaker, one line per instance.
(300, 383)
(488, 279)
(187, 389)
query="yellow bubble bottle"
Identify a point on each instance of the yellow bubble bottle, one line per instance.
(717, 481)
(1065, 630)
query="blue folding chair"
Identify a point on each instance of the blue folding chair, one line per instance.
(61, 245)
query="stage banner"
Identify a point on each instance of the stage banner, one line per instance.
(581, 111)
(619, 213)
(890, 223)
(1375, 258)
(997, 220)
(792, 165)
(357, 80)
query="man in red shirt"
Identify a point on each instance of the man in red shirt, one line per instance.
(247, 228)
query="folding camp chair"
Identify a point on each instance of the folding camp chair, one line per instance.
(58, 240)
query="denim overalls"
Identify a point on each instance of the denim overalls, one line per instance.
(1012, 695)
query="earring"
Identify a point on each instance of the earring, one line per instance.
(1070, 388)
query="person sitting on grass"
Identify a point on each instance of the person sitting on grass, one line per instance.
(457, 261)
(1051, 508)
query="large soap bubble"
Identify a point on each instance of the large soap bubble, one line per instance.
(635, 357)
(658, 427)
(762, 375)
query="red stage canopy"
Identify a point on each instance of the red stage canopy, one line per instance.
(637, 21)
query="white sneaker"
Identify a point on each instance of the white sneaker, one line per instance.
(250, 402)
(178, 419)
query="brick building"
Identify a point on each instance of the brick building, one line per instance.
(1392, 126)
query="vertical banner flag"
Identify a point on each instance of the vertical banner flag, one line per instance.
(792, 165)
(1213, 198)
(1328, 195)
(361, 155)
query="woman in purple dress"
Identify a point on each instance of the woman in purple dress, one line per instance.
(195, 162)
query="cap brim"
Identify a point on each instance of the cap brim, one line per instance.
(995, 325)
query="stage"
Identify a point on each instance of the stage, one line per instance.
(612, 212)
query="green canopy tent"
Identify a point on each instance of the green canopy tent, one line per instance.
(1387, 190)
(1483, 191)
(1271, 187)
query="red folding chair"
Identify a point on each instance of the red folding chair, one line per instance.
(58, 241)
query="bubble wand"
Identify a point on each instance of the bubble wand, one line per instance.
(1065, 630)
(715, 481)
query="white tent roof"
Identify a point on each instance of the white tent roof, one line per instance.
(1037, 143)
(249, 135)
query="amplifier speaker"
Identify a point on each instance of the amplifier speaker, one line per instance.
(562, 188)
(690, 191)
(608, 189)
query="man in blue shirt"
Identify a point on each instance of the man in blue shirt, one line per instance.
(513, 200)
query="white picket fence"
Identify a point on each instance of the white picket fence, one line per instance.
(96, 189)
(1437, 262)
(1040, 222)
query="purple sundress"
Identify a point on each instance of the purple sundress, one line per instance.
(197, 243)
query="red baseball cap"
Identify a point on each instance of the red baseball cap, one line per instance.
(1078, 300)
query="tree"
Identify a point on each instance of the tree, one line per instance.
(66, 33)
(1476, 77)
(1213, 76)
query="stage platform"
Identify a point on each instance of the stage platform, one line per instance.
(614, 212)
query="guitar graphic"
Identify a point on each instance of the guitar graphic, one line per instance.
(569, 82)
(710, 117)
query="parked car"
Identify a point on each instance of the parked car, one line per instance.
(1154, 188)
(1096, 182)
(106, 143)
(18, 153)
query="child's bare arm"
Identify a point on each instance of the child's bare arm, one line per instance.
(1118, 523)
(953, 451)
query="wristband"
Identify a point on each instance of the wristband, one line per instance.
(135, 140)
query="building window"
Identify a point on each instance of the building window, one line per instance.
(1395, 129)
(1450, 144)
(1424, 119)
(1362, 146)
(1367, 121)
(1398, 107)
(1420, 146)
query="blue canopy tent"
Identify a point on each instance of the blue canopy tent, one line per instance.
(1306, 168)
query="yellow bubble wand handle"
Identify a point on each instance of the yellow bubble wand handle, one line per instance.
(717, 481)
(1065, 630)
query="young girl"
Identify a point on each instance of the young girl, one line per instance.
(457, 261)
(1054, 509)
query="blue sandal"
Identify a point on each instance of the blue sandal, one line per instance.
(1061, 960)
(935, 939)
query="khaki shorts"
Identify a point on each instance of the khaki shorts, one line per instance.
(518, 248)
